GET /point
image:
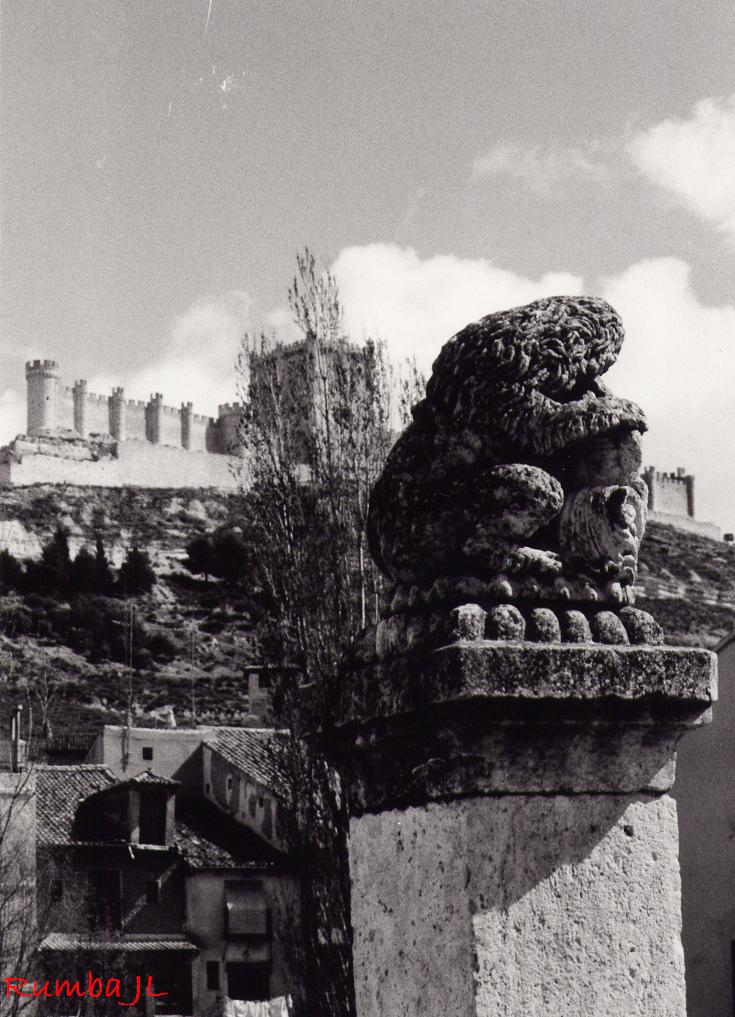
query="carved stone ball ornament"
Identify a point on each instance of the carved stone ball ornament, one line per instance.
(516, 489)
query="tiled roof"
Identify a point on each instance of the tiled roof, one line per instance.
(225, 845)
(146, 779)
(60, 789)
(149, 777)
(63, 941)
(257, 752)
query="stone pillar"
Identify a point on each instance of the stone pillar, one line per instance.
(513, 847)
(79, 393)
(117, 408)
(154, 418)
(187, 415)
(42, 381)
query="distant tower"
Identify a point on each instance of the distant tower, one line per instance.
(229, 416)
(154, 418)
(187, 417)
(116, 405)
(80, 407)
(42, 379)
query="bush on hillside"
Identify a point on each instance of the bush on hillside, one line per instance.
(136, 574)
(222, 554)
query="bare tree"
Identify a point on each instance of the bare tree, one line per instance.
(20, 921)
(316, 430)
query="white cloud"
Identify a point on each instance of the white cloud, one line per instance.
(416, 305)
(12, 414)
(694, 160)
(197, 362)
(678, 360)
(543, 169)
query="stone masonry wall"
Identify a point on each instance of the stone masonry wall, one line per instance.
(138, 464)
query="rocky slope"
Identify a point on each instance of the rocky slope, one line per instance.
(686, 581)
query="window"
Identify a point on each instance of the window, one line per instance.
(213, 974)
(152, 818)
(248, 981)
(148, 753)
(246, 911)
(153, 891)
(104, 895)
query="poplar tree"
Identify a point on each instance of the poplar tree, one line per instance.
(315, 432)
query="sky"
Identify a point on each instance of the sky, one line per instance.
(162, 161)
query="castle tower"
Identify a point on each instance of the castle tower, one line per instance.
(79, 392)
(228, 418)
(187, 416)
(154, 418)
(117, 413)
(42, 381)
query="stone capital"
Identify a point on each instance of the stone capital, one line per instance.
(482, 717)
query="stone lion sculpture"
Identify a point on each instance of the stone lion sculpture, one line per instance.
(517, 482)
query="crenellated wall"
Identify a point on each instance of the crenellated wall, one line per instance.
(672, 493)
(54, 407)
(154, 445)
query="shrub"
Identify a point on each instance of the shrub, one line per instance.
(136, 574)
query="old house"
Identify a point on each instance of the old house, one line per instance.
(240, 897)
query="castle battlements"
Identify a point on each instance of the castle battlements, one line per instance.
(55, 408)
(671, 500)
(75, 436)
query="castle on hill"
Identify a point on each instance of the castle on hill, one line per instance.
(671, 501)
(74, 436)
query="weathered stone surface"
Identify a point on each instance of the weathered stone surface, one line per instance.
(543, 626)
(505, 622)
(529, 673)
(563, 905)
(503, 717)
(468, 622)
(607, 628)
(516, 438)
(575, 627)
(641, 627)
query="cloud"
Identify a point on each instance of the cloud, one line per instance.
(197, 362)
(416, 305)
(12, 414)
(542, 170)
(693, 159)
(678, 360)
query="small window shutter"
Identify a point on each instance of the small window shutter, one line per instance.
(246, 909)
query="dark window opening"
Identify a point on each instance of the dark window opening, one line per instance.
(213, 974)
(153, 891)
(103, 898)
(264, 682)
(148, 752)
(172, 977)
(152, 819)
(248, 981)
(57, 890)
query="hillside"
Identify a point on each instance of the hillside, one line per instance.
(201, 633)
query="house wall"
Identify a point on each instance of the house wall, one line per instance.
(135, 871)
(705, 796)
(248, 802)
(205, 923)
(175, 753)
